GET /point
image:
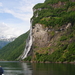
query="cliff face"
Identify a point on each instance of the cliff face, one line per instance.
(53, 28)
(48, 40)
(44, 36)
(40, 36)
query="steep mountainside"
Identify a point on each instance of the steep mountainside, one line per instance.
(14, 49)
(53, 31)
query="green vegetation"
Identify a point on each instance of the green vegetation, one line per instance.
(51, 15)
(55, 1)
(65, 53)
(63, 38)
(14, 49)
(28, 59)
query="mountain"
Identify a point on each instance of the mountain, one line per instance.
(53, 32)
(5, 41)
(14, 49)
(51, 37)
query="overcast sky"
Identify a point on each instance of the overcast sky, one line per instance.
(15, 16)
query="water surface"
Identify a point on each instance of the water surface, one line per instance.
(18, 68)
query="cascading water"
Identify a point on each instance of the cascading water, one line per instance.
(28, 44)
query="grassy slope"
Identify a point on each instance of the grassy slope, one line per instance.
(14, 49)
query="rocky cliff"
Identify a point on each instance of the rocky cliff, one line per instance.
(53, 31)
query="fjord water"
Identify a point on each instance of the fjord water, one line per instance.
(18, 68)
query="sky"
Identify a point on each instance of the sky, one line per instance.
(15, 16)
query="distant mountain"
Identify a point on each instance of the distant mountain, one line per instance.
(5, 41)
(8, 39)
(14, 49)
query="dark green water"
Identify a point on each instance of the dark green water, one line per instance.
(18, 68)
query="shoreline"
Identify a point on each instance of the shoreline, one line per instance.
(42, 62)
(49, 62)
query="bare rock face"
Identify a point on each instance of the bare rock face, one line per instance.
(40, 36)
(58, 5)
(44, 37)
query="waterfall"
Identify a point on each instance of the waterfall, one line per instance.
(28, 44)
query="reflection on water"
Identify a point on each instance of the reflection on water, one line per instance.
(27, 69)
(18, 68)
(53, 69)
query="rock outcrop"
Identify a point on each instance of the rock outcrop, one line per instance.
(40, 36)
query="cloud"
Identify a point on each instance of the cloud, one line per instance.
(1, 4)
(21, 16)
(22, 13)
(21, 10)
(8, 32)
